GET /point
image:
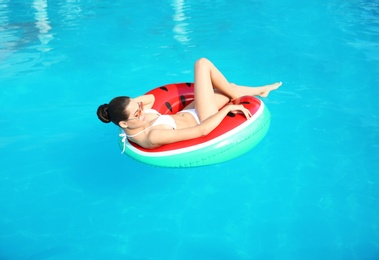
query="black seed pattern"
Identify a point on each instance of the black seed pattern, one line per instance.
(168, 105)
(230, 114)
(183, 100)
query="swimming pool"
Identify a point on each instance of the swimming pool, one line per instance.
(309, 190)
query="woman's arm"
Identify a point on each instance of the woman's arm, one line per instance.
(213, 121)
(147, 100)
(158, 137)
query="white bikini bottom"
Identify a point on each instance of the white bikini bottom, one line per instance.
(192, 111)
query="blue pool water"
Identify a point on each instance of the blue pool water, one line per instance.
(309, 190)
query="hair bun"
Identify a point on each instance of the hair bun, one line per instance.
(102, 113)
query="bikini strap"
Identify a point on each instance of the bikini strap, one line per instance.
(123, 135)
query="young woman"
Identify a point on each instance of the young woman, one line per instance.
(149, 129)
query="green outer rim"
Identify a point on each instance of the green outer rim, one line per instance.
(231, 148)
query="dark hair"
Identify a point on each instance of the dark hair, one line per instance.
(115, 111)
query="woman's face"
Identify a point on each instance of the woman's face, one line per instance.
(135, 111)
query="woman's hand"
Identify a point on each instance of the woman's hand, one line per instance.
(236, 109)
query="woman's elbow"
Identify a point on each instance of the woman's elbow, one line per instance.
(203, 130)
(151, 98)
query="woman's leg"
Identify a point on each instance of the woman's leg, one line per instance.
(208, 78)
(212, 90)
(261, 91)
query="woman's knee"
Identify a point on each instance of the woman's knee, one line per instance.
(202, 63)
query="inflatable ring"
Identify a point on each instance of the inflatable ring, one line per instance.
(233, 137)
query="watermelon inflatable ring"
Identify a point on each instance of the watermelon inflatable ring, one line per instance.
(233, 137)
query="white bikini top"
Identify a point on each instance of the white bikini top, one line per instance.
(161, 120)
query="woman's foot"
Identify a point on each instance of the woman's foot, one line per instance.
(267, 89)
